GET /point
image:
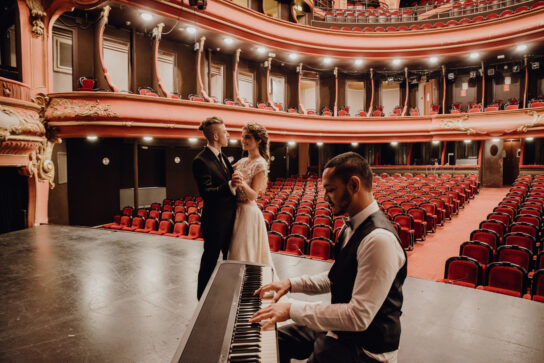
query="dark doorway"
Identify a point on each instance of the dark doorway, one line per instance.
(13, 200)
(511, 161)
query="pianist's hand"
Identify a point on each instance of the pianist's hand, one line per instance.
(272, 314)
(280, 287)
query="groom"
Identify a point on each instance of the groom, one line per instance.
(217, 184)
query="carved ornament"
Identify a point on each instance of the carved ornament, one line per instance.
(457, 124)
(538, 120)
(37, 13)
(60, 108)
(15, 121)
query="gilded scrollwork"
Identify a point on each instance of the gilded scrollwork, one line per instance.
(63, 108)
(538, 120)
(37, 13)
(15, 121)
(457, 124)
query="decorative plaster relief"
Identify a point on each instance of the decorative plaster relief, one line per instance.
(37, 13)
(60, 108)
(498, 129)
(537, 121)
(15, 121)
(457, 124)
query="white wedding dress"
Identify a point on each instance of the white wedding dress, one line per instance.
(249, 237)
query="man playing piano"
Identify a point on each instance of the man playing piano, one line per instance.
(362, 322)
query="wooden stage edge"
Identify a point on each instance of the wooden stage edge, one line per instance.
(82, 294)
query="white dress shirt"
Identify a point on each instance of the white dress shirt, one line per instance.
(379, 259)
(216, 153)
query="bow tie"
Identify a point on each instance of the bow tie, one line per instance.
(348, 223)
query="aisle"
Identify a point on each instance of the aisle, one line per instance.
(428, 258)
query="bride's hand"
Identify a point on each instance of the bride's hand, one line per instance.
(281, 288)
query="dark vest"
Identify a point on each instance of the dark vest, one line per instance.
(383, 333)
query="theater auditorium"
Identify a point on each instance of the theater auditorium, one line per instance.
(100, 215)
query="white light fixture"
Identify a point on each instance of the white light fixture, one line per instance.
(433, 60)
(467, 141)
(397, 61)
(148, 138)
(319, 143)
(521, 47)
(92, 138)
(106, 161)
(529, 138)
(327, 60)
(177, 160)
(228, 40)
(354, 144)
(233, 141)
(291, 143)
(436, 142)
(293, 56)
(192, 140)
(261, 50)
(358, 62)
(474, 55)
(190, 30)
(298, 7)
(496, 139)
(146, 16)
(394, 143)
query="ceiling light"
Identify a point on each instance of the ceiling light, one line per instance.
(521, 47)
(467, 141)
(474, 55)
(327, 60)
(319, 143)
(394, 143)
(433, 60)
(358, 62)
(261, 50)
(92, 138)
(496, 139)
(148, 138)
(228, 40)
(354, 144)
(291, 143)
(500, 56)
(190, 30)
(293, 56)
(192, 140)
(436, 142)
(233, 141)
(146, 16)
(397, 61)
(530, 138)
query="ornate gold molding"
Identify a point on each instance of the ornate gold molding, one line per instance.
(37, 13)
(538, 120)
(457, 124)
(64, 108)
(19, 122)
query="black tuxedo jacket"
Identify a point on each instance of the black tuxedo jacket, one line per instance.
(219, 203)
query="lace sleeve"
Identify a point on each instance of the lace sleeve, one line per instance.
(260, 165)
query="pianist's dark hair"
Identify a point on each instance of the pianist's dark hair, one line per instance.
(348, 164)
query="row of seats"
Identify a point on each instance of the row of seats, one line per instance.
(507, 247)
(383, 27)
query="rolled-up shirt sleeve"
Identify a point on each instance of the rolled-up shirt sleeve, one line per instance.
(379, 258)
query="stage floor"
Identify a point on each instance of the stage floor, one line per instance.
(81, 294)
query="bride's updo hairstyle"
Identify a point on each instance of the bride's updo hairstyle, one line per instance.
(259, 133)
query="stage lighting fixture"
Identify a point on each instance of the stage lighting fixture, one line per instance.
(516, 68)
(491, 72)
(451, 76)
(473, 74)
(535, 65)
(200, 4)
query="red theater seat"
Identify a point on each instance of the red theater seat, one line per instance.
(137, 222)
(295, 244)
(517, 255)
(505, 278)
(320, 248)
(463, 271)
(180, 229)
(537, 289)
(275, 241)
(480, 251)
(151, 224)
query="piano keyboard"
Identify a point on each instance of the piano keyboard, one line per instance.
(220, 331)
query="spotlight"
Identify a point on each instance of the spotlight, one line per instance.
(92, 138)
(397, 61)
(516, 68)
(327, 60)
(473, 74)
(146, 16)
(228, 40)
(433, 60)
(148, 138)
(491, 72)
(261, 50)
(233, 141)
(192, 140)
(394, 143)
(319, 143)
(358, 62)
(451, 76)
(436, 142)
(474, 55)
(521, 47)
(293, 56)
(190, 30)
(291, 143)
(354, 144)
(535, 65)
(496, 139)
(467, 141)
(529, 138)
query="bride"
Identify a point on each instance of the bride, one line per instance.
(249, 237)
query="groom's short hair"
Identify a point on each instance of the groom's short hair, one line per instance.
(349, 164)
(207, 126)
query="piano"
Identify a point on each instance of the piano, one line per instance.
(219, 330)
